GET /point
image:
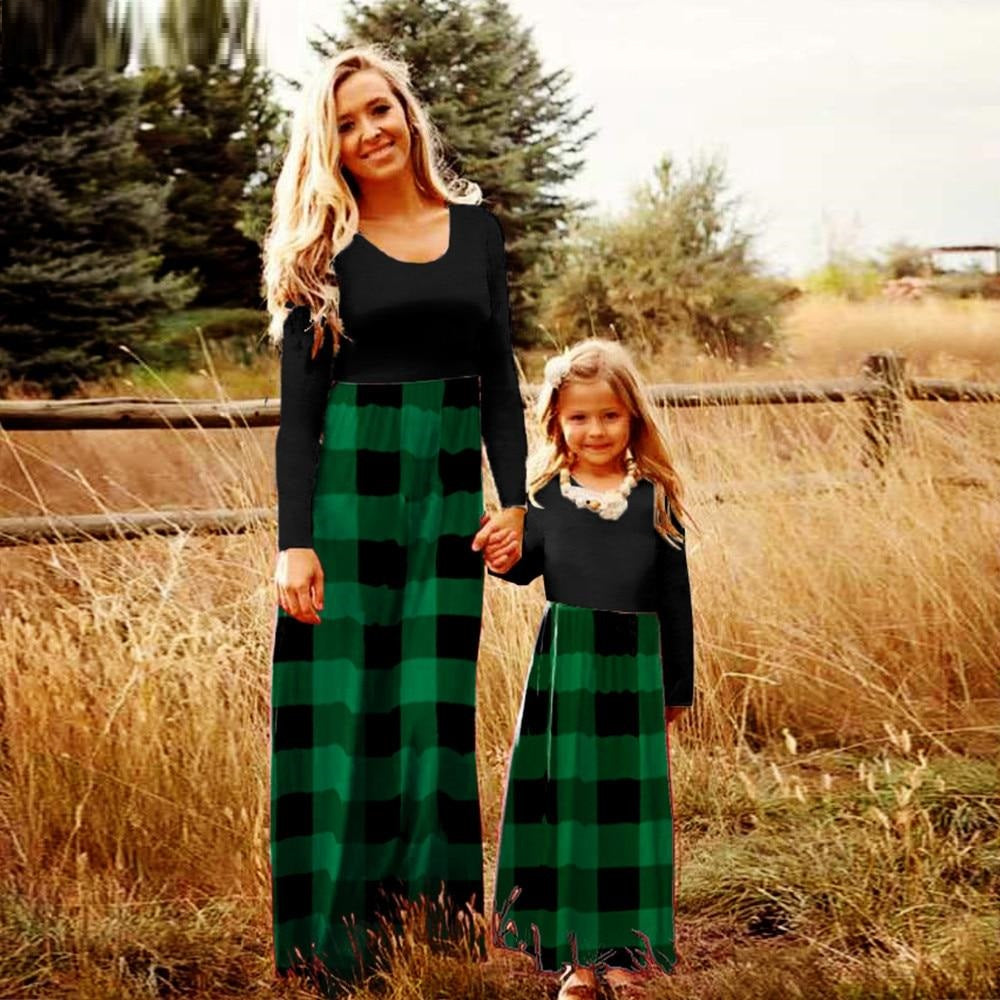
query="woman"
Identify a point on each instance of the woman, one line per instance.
(387, 290)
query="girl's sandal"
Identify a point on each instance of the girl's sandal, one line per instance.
(578, 984)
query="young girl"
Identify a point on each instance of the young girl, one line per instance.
(585, 872)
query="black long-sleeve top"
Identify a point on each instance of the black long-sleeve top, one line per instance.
(622, 565)
(405, 322)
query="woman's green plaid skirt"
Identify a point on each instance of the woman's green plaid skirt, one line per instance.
(585, 873)
(373, 776)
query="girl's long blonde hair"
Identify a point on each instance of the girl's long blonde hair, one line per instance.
(315, 211)
(604, 359)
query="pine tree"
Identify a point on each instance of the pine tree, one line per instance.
(207, 132)
(209, 129)
(80, 229)
(506, 123)
(49, 33)
(203, 33)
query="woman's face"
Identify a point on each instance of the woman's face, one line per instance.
(374, 135)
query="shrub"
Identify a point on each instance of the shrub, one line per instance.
(677, 266)
(238, 332)
(904, 260)
(965, 285)
(846, 276)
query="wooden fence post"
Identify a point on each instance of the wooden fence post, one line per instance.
(883, 410)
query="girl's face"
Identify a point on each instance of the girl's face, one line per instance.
(595, 424)
(374, 135)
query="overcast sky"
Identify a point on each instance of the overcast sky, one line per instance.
(852, 122)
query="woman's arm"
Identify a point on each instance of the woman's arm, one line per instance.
(305, 384)
(502, 409)
(676, 622)
(532, 561)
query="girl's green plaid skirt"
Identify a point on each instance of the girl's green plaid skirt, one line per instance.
(373, 775)
(585, 873)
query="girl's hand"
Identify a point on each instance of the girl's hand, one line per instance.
(501, 534)
(673, 712)
(298, 577)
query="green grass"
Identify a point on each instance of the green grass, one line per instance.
(215, 322)
(202, 354)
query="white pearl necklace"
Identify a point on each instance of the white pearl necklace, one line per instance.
(609, 504)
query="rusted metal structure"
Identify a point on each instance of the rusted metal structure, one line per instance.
(972, 248)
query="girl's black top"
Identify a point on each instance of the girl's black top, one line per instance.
(622, 565)
(405, 322)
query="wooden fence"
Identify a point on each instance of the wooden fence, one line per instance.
(881, 387)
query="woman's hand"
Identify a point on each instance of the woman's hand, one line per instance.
(673, 712)
(298, 577)
(501, 535)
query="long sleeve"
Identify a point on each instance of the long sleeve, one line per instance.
(305, 383)
(532, 561)
(502, 409)
(676, 622)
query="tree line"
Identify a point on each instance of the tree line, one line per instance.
(136, 170)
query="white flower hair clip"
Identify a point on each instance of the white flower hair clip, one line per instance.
(556, 369)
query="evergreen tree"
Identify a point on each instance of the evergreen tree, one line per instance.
(208, 133)
(51, 33)
(80, 229)
(506, 124)
(210, 128)
(203, 33)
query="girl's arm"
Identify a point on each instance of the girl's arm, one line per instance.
(532, 561)
(502, 408)
(676, 623)
(305, 384)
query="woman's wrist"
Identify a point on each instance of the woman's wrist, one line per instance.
(514, 515)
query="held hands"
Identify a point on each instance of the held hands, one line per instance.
(501, 534)
(298, 577)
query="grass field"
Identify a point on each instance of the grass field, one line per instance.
(836, 786)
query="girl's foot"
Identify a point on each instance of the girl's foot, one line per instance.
(625, 984)
(578, 984)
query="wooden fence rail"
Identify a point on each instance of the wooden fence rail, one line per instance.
(129, 413)
(881, 387)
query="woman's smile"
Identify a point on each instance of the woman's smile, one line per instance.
(372, 127)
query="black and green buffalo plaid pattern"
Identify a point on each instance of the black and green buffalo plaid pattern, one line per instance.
(587, 832)
(373, 774)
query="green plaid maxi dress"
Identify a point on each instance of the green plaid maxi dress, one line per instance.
(585, 871)
(374, 796)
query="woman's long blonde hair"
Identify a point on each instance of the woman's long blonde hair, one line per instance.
(315, 211)
(604, 359)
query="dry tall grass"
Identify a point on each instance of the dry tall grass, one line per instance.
(836, 784)
(940, 337)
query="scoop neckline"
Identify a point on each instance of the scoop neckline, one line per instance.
(576, 482)
(419, 263)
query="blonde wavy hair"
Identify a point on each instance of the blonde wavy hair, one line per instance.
(315, 210)
(604, 359)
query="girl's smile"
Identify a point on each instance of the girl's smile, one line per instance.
(596, 425)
